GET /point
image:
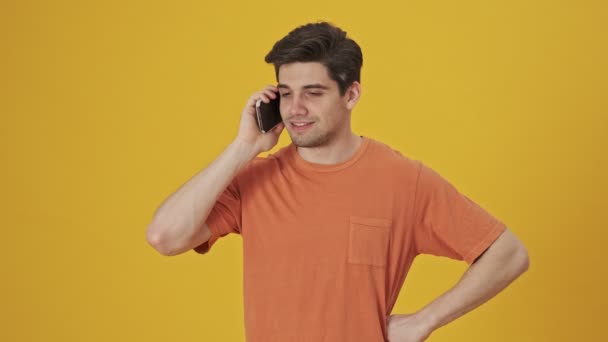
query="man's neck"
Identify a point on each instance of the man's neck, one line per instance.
(339, 151)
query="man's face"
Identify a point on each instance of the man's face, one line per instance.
(313, 111)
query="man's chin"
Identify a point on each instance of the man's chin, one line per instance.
(308, 142)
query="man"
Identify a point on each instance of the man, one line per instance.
(332, 223)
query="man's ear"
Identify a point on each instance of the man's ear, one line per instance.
(352, 95)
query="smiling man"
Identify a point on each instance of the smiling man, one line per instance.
(332, 222)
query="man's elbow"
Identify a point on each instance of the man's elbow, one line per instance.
(521, 258)
(515, 253)
(158, 240)
(155, 240)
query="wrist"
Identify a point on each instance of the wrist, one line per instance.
(243, 150)
(428, 319)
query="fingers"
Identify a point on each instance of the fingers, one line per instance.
(278, 128)
(267, 94)
(271, 89)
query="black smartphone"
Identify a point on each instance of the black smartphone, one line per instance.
(268, 114)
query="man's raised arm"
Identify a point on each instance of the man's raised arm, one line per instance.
(178, 224)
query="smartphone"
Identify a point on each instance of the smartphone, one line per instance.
(268, 114)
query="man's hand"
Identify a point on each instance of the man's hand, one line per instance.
(249, 133)
(407, 328)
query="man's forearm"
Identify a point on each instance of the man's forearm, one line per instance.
(179, 217)
(502, 263)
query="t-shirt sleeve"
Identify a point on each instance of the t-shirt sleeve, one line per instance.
(225, 216)
(448, 223)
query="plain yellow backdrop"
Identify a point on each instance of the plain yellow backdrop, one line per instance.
(108, 107)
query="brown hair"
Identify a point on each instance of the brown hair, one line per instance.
(324, 43)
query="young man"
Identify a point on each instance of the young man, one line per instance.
(332, 222)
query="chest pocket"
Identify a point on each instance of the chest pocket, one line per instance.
(368, 240)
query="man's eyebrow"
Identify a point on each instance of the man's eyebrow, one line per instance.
(315, 86)
(308, 86)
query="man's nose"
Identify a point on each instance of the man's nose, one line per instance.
(297, 106)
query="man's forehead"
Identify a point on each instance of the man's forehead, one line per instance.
(304, 75)
(304, 86)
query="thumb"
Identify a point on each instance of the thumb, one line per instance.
(278, 128)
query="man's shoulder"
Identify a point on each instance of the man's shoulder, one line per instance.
(262, 164)
(384, 154)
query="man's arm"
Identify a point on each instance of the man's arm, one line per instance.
(179, 224)
(504, 261)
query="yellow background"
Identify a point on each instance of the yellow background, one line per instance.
(107, 107)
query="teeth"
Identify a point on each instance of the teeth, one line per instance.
(300, 124)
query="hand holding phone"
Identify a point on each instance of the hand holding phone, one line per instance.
(250, 132)
(268, 115)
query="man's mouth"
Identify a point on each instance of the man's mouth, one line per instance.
(301, 126)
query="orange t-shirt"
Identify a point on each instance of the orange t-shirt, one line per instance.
(326, 248)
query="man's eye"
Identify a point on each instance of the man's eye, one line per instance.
(316, 94)
(284, 94)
